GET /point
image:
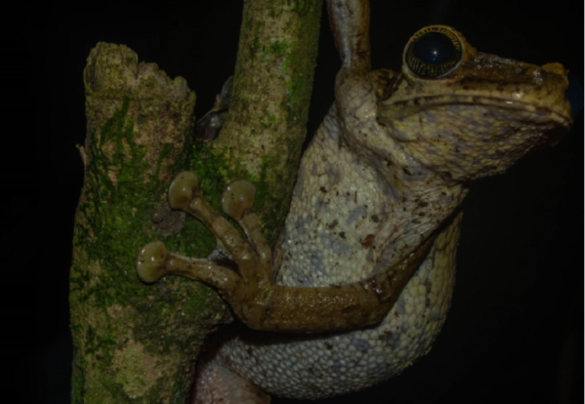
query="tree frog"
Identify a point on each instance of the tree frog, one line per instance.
(361, 279)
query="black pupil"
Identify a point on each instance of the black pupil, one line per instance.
(434, 48)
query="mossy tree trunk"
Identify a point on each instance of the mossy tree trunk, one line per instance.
(135, 342)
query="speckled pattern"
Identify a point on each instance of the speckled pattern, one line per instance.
(386, 171)
(339, 212)
(318, 366)
(388, 166)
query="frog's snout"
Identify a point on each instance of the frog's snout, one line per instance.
(574, 94)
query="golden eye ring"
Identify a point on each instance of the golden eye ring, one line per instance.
(433, 52)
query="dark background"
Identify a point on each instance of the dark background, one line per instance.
(514, 332)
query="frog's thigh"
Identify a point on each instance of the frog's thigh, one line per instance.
(215, 384)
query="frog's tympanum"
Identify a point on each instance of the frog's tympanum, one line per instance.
(368, 249)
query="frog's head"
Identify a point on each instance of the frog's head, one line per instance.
(466, 114)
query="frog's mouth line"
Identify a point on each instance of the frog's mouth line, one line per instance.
(403, 108)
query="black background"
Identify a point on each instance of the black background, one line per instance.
(514, 332)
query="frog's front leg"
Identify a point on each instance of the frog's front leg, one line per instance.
(184, 194)
(257, 301)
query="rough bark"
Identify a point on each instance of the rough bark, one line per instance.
(266, 124)
(135, 342)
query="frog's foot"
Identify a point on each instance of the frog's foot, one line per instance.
(252, 256)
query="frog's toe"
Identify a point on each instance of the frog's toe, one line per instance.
(151, 261)
(238, 202)
(183, 189)
(238, 198)
(155, 261)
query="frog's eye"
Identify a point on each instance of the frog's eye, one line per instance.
(433, 52)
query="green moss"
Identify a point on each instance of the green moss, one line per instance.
(279, 48)
(184, 379)
(114, 222)
(208, 164)
(114, 389)
(77, 386)
(197, 302)
(117, 207)
(302, 7)
(275, 9)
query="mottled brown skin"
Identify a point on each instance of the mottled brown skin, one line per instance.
(373, 224)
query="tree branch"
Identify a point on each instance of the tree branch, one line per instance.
(134, 342)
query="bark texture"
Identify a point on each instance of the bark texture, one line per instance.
(130, 339)
(135, 342)
(266, 124)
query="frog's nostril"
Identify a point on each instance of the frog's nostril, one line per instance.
(575, 94)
